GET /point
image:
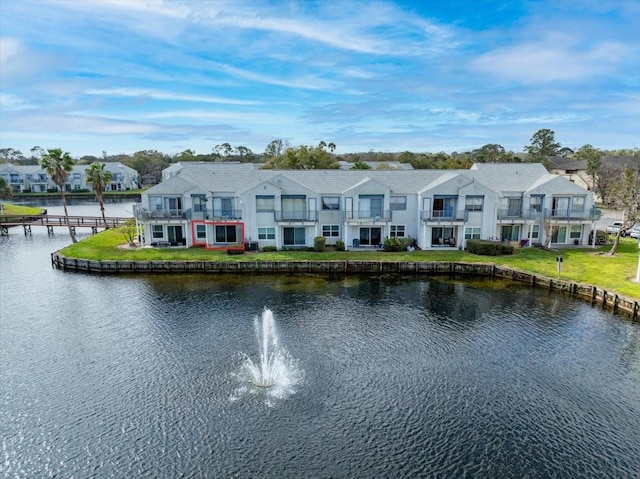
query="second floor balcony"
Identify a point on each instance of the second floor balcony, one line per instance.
(590, 214)
(145, 214)
(515, 214)
(296, 215)
(216, 214)
(360, 216)
(444, 216)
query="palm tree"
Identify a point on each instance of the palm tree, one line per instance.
(98, 177)
(58, 165)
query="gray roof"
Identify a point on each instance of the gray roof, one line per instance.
(562, 163)
(213, 177)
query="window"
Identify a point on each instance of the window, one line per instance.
(201, 232)
(576, 232)
(157, 232)
(577, 203)
(536, 203)
(472, 233)
(155, 203)
(266, 233)
(331, 203)
(294, 207)
(534, 233)
(370, 206)
(294, 236)
(265, 204)
(474, 203)
(515, 206)
(199, 202)
(397, 231)
(226, 234)
(444, 206)
(398, 203)
(330, 230)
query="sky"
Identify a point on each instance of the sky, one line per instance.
(120, 76)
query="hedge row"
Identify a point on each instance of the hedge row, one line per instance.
(488, 248)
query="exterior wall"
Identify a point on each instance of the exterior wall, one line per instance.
(423, 215)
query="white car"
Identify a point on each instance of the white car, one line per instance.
(633, 232)
(614, 227)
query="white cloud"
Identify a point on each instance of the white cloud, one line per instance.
(9, 48)
(9, 102)
(168, 96)
(556, 57)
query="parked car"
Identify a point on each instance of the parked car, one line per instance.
(633, 232)
(614, 227)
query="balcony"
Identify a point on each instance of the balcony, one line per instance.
(444, 216)
(296, 216)
(515, 214)
(568, 214)
(368, 216)
(222, 214)
(144, 214)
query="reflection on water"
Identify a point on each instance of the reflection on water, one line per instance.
(137, 376)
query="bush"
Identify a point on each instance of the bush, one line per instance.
(398, 244)
(269, 248)
(319, 243)
(488, 248)
(339, 245)
(235, 251)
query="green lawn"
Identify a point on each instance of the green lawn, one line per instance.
(582, 265)
(11, 209)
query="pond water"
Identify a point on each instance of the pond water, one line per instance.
(141, 376)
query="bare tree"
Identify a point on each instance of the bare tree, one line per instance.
(625, 195)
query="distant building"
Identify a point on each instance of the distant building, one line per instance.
(34, 179)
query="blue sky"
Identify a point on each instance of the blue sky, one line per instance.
(424, 76)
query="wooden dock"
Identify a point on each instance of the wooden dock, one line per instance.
(56, 221)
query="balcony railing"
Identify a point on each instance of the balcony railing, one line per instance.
(168, 214)
(444, 215)
(222, 214)
(369, 215)
(291, 215)
(571, 214)
(517, 214)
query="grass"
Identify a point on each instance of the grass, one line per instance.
(11, 209)
(582, 265)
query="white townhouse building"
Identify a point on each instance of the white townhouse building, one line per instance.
(33, 179)
(26, 178)
(219, 206)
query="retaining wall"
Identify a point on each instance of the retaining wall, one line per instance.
(593, 294)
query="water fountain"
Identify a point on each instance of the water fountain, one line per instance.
(275, 369)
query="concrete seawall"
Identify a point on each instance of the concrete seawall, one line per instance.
(592, 294)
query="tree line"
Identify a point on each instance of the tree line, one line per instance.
(618, 185)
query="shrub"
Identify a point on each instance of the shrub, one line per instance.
(339, 245)
(235, 251)
(398, 244)
(319, 243)
(488, 248)
(269, 248)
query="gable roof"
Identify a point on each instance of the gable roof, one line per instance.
(211, 177)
